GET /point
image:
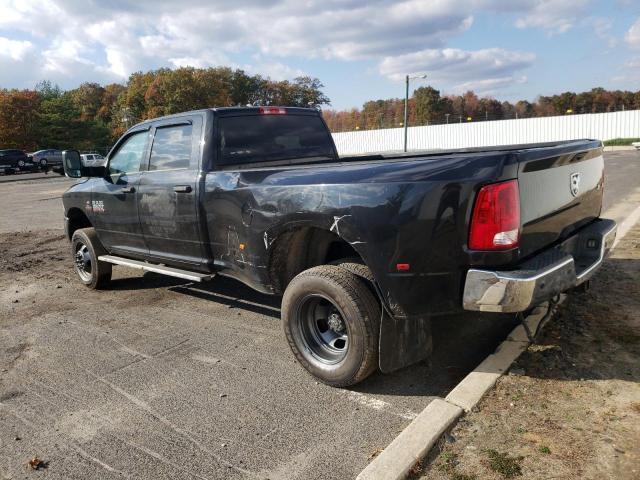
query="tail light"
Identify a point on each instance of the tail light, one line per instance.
(495, 224)
(272, 111)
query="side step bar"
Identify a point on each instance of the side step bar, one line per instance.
(152, 267)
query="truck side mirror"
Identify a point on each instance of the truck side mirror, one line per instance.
(74, 168)
(72, 163)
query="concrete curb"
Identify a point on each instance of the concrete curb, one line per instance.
(619, 148)
(415, 441)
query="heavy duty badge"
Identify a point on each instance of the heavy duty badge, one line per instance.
(574, 184)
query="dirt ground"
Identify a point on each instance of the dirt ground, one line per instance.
(570, 407)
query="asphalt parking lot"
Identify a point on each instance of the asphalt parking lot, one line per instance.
(160, 378)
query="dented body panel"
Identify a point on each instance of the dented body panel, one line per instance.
(412, 209)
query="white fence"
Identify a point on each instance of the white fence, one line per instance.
(602, 126)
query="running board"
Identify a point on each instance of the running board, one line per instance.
(152, 267)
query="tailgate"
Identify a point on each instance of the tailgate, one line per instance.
(561, 190)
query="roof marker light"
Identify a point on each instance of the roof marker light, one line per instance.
(272, 111)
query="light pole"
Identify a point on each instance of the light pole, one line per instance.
(406, 105)
(447, 117)
(125, 117)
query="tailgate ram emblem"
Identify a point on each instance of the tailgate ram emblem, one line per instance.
(574, 185)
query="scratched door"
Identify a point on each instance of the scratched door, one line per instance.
(168, 193)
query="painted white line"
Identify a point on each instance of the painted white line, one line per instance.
(376, 404)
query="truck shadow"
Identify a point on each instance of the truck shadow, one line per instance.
(589, 338)
(460, 341)
(234, 294)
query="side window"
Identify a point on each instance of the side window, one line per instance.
(127, 158)
(171, 148)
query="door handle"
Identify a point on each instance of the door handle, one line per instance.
(182, 189)
(127, 189)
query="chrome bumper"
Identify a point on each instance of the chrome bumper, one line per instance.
(546, 275)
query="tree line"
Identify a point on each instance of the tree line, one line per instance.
(92, 116)
(428, 107)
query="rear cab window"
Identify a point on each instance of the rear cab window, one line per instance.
(171, 148)
(272, 138)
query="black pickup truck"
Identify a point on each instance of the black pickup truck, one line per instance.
(364, 249)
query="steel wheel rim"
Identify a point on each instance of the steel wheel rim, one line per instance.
(82, 261)
(323, 330)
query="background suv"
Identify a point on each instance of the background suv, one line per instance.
(45, 158)
(12, 159)
(92, 159)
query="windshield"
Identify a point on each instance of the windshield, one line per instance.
(268, 138)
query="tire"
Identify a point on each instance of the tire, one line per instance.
(43, 163)
(355, 266)
(21, 163)
(332, 321)
(85, 250)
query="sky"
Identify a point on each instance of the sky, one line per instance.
(360, 49)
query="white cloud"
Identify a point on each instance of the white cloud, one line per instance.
(69, 41)
(633, 35)
(633, 63)
(554, 16)
(14, 49)
(274, 70)
(485, 70)
(602, 27)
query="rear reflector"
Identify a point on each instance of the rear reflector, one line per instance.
(495, 224)
(272, 111)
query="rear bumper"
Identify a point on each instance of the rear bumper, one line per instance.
(544, 276)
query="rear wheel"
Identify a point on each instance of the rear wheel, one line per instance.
(21, 163)
(331, 321)
(86, 248)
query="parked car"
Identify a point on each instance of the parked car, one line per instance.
(364, 249)
(47, 158)
(92, 159)
(12, 160)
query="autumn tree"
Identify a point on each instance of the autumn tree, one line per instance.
(429, 106)
(88, 98)
(19, 116)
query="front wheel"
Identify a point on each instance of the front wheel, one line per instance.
(332, 321)
(21, 163)
(43, 163)
(86, 248)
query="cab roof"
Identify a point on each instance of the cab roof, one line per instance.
(224, 111)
